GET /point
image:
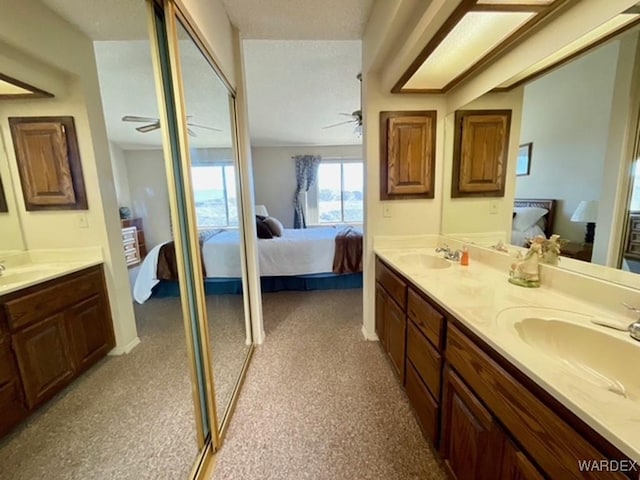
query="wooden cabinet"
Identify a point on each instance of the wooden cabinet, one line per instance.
(137, 222)
(579, 251)
(43, 355)
(48, 160)
(12, 403)
(396, 327)
(90, 332)
(516, 465)
(488, 419)
(407, 154)
(471, 439)
(49, 334)
(480, 153)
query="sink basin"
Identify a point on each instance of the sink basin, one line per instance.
(421, 261)
(586, 350)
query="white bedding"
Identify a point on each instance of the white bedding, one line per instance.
(297, 252)
(520, 238)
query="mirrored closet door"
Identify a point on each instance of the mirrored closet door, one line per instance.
(216, 198)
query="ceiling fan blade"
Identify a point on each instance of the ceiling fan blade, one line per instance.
(337, 124)
(346, 114)
(191, 132)
(133, 118)
(203, 126)
(149, 128)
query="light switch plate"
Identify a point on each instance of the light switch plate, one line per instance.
(494, 207)
(83, 221)
(387, 210)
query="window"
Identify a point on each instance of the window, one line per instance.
(214, 190)
(339, 195)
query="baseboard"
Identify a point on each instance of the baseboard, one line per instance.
(371, 336)
(125, 349)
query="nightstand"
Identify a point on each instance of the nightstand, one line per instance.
(577, 250)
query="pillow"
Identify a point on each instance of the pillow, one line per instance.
(526, 217)
(274, 225)
(262, 228)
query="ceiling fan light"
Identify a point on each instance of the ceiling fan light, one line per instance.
(358, 131)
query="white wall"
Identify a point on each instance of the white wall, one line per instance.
(120, 175)
(274, 175)
(59, 58)
(566, 115)
(149, 198)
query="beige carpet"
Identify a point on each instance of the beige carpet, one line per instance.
(132, 416)
(320, 402)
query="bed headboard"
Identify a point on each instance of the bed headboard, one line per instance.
(548, 203)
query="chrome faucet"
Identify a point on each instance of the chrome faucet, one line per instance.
(633, 328)
(449, 254)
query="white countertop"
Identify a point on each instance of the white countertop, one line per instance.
(476, 294)
(30, 268)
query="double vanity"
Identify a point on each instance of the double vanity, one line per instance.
(55, 323)
(510, 382)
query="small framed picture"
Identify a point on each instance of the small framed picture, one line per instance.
(523, 165)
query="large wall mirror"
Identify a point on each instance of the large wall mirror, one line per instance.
(209, 107)
(572, 165)
(11, 235)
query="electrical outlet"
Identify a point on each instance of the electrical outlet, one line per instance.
(494, 207)
(83, 221)
(387, 210)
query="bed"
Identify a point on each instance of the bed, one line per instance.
(300, 259)
(532, 217)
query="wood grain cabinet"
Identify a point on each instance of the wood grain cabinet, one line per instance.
(49, 165)
(480, 153)
(53, 332)
(391, 323)
(487, 418)
(407, 154)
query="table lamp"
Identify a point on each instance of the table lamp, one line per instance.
(587, 211)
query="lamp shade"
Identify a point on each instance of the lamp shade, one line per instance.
(262, 210)
(587, 211)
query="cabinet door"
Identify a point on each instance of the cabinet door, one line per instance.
(43, 358)
(381, 306)
(471, 443)
(11, 399)
(88, 330)
(516, 466)
(396, 336)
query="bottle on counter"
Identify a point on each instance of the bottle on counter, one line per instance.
(464, 259)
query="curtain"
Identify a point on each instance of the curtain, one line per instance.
(306, 172)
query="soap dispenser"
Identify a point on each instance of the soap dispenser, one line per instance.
(464, 259)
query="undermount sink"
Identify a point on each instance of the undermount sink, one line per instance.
(416, 261)
(588, 351)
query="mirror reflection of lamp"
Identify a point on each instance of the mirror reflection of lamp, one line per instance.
(587, 212)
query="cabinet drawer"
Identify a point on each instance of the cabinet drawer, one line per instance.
(550, 442)
(129, 234)
(423, 403)
(393, 284)
(426, 318)
(425, 359)
(46, 301)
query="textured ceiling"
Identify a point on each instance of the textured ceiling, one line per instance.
(105, 19)
(295, 88)
(299, 19)
(127, 88)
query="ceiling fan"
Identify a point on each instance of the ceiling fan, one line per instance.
(356, 119)
(154, 124)
(356, 116)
